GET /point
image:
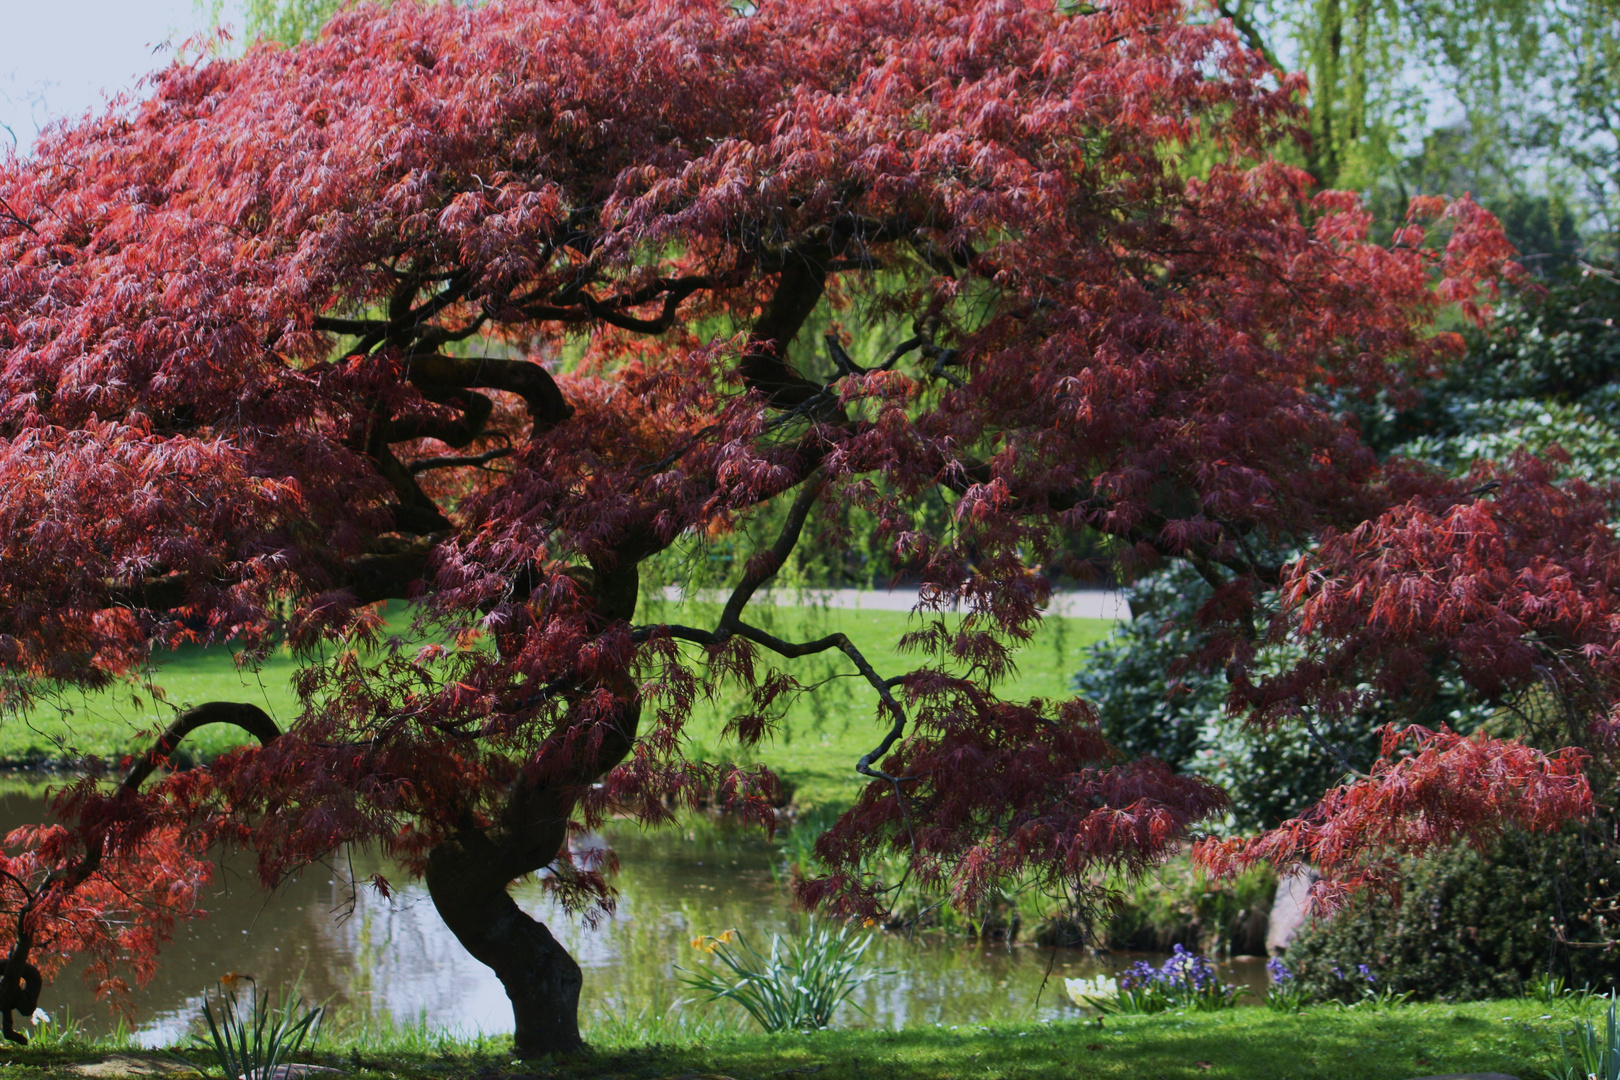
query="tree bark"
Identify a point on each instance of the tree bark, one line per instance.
(469, 873)
(466, 879)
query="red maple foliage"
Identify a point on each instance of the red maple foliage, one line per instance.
(1428, 789)
(486, 306)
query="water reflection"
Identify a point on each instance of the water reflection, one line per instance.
(369, 955)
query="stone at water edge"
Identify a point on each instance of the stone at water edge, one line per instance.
(293, 1072)
(1289, 909)
(683, 1076)
(126, 1065)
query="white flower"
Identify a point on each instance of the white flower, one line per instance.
(40, 1016)
(1087, 992)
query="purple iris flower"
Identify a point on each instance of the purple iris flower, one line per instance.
(1138, 975)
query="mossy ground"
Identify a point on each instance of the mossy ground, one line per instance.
(815, 746)
(1322, 1043)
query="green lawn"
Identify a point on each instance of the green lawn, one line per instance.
(818, 741)
(1323, 1043)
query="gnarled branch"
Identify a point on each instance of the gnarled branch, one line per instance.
(764, 365)
(250, 718)
(761, 569)
(452, 462)
(433, 373)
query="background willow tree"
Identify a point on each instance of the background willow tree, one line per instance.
(286, 21)
(1511, 100)
(1351, 52)
(1539, 80)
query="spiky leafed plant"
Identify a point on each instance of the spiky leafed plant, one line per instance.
(797, 987)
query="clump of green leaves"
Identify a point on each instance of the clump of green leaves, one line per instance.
(1474, 926)
(251, 1038)
(1186, 981)
(1286, 994)
(1595, 1053)
(797, 987)
(53, 1033)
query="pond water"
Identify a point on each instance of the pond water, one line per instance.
(369, 956)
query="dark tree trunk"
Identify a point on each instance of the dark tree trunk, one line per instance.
(468, 874)
(467, 879)
(543, 981)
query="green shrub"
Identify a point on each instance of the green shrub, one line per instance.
(256, 1037)
(1151, 701)
(1176, 904)
(797, 987)
(1471, 927)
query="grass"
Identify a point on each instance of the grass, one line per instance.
(817, 742)
(1322, 1043)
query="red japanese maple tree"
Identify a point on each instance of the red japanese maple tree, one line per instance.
(485, 306)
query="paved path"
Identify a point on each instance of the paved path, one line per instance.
(1073, 603)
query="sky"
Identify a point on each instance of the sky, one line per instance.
(61, 57)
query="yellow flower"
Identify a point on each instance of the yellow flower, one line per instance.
(231, 978)
(727, 935)
(697, 942)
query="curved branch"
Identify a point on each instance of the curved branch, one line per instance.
(451, 379)
(351, 327)
(250, 718)
(20, 981)
(762, 567)
(404, 322)
(436, 374)
(427, 464)
(673, 292)
(415, 512)
(764, 365)
(760, 570)
(793, 650)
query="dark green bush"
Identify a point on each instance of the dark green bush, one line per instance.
(1150, 702)
(1470, 926)
(1176, 904)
